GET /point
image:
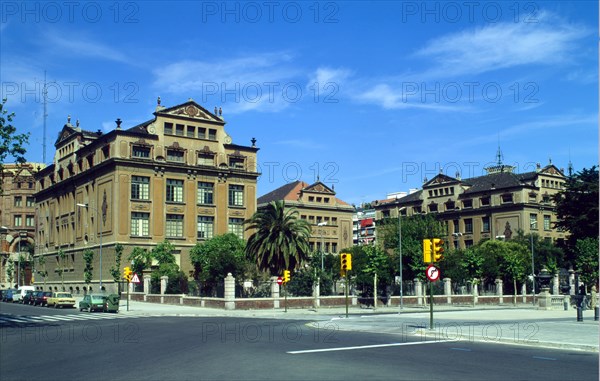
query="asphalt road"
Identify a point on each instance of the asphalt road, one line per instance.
(107, 346)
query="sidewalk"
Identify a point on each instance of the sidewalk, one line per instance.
(521, 325)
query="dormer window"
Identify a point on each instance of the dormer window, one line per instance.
(507, 198)
(467, 204)
(175, 155)
(140, 152)
(485, 201)
(236, 162)
(206, 158)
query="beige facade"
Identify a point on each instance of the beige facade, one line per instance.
(176, 177)
(494, 206)
(330, 218)
(17, 220)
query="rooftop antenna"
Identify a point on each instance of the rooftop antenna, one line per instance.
(570, 167)
(45, 95)
(499, 156)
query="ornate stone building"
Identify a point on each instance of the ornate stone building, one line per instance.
(493, 206)
(176, 177)
(330, 218)
(17, 222)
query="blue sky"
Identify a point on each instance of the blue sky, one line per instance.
(372, 96)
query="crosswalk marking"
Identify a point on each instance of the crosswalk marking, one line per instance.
(8, 319)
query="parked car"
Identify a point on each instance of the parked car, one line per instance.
(29, 297)
(60, 299)
(41, 298)
(20, 294)
(92, 303)
(7, 296)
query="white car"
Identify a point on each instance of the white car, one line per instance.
(20, 293)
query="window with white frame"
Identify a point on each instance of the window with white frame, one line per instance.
(30, 202)
(29, 221)
(140, 224)
(174, 190)
(18, 201)
(206, 158)
(174, 224)
(468, 225)
(205, 227)
(533, 221)
(141, 152)
(236, 227)
(175, 155)
(485, 222)
(205, 193)
(236, 195)
(18, 220)
(140, 188)
(546, 222)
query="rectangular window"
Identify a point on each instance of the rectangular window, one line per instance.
(485, 201)
(179, 129)
(212, 134)
(175, 155)
(207, 159)
(168, 128)
(334, 248)
(236, 162)
(29, 221)
(205, 193)
(174, 225)
(468, 225)
(30, 202)
(456, 228)
(174, 190)
(191, 131)
(236, 227)
(546, 222)
(485, 222)
(467, 204)
(533, 221)
(18, 221)
(433, 208)
(507, 198)
(18, 201)
(205, 227)
(236, 195)
(140, 152)
(201, 133)
(140, 188)
(468, 243)
(140, 224)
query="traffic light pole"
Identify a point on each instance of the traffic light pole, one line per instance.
(127, 295)
(285, 296)
(347, 285)
(430, 305)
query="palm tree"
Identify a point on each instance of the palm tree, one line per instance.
(280, 240)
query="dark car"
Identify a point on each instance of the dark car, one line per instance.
(41, 298)
(93, 303)
(7, 296)
(29, 297)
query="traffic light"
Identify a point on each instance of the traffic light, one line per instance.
(286, 276)
(127, 274)
(427, 250)
(346, 261)
(438, 249)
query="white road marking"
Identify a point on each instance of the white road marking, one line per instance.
(367, 347)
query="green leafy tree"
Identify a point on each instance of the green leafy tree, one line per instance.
(216, 257)
(142, 260)
(280, 238)
(42, 268)
(473, 263)
(515, 264)
(88, 258)
(167, 266)
(115, 270)
(577, 205)
(452, 267)
(586, 262)
(61, 267)
(10, 272)
(11, 143)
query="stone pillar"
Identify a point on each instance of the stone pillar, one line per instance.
(573, 287)
(594, 296)
(229, 292)
(524, 292)
(555, 285)
(317, 293)
(448, 290)
(419, 291)
(275, 292)
(544, 297)
(500, 290)
(375, 292)
(475, 291)
(147, 279)
(163, 284)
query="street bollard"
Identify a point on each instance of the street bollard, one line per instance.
(596, 312)
(579, 314)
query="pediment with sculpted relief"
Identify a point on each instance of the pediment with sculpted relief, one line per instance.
(190, 110)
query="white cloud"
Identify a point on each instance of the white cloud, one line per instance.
(398, 98)
(84, 47)
(504, 45)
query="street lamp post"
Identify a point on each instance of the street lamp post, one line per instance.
(98, 234)
(531, 225)
(322, 243)
(400, 250)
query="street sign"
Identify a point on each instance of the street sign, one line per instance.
(279, 281)
(135, 278)
(432, 273)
